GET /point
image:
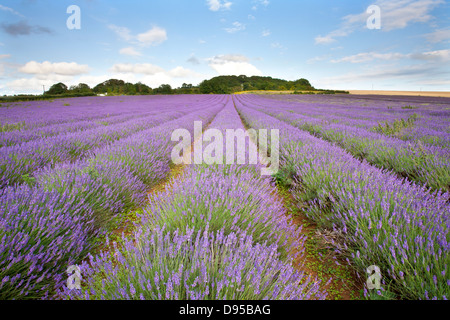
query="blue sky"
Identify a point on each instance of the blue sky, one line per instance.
(180, 41)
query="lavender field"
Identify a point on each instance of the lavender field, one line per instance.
(372, 173)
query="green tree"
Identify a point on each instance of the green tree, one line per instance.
(58, 88)
(163, 89)
(80, 88)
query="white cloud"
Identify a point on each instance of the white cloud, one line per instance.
(395, 14)
(130, 51)
(277, 45)
(151, 70)
(237, 26)
(216, 5)
(3, 8)
(258, 3)
(233, 65)
(123, 32)
(266, 33)
(28, 85)
(399, 13)
(225, 58)
(5, 56)
(324, 40)
(438, 35)
(180, 72)
(369, 56)
(35, 84)
(59, 68)
(140, 68)
(437, 56)
(154, 36)
(317, 59)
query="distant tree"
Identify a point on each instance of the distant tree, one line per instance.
(80, 88)
(129, 89)
(142, 88)
(186, 88)
(58, 88)
(163, 89)
(112, 86)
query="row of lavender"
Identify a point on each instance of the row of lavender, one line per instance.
(394, 224)
(19, 161)
(373, 108)
(44, 119)
(46, 227)
(432, 118)
(216, 233)
(424, 164)
(45, 113)
(430, 124)
(10, 138)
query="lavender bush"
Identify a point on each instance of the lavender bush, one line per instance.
(202, 265)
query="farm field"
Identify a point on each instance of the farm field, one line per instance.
(363, 181)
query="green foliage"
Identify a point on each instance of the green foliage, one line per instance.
(231, 84)
(409, 107)
(12, 126)
(396, 126)
(28, 179)
(58, 88)
(163, 89)
(80, 89)
(119, 87)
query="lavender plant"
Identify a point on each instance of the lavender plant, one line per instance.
(202, 265)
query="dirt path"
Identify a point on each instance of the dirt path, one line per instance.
(318, 259)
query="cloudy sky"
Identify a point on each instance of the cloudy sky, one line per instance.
(331, 43)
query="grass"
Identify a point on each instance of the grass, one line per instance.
(12, 126)
(397, 126)
(409, 107)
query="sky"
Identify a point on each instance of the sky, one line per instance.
(338, 44)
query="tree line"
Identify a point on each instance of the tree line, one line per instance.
(216, 85)
(231, 84)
